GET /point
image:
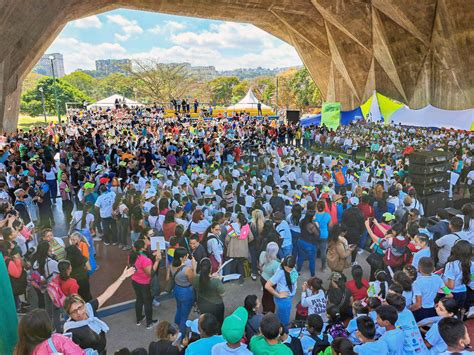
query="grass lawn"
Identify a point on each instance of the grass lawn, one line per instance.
(25, 121)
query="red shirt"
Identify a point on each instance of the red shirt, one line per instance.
(69, 287)
(358, 293)
(367, 210)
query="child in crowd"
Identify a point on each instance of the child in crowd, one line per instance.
(454, 333)
(359, 309)
(233, 329)
(313, 297)
(366, 334)
(387, 317)
(401, 278)
(335, 326)
(315, 326)
(269, 341)
(379, 287)
(446, 307)
(412, 341)
(425, 289)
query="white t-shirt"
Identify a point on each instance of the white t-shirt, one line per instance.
(316, 303)
(77, 216)
(105, 203)
(445, 243)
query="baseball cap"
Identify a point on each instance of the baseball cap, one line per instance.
(89, 185)
(335, 276)
(387, 216)
(354, 201)
(233, 327)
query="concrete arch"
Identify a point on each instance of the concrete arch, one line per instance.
(417, 52)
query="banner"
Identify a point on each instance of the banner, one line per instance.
(331, 114)
(8, 317)
(387, 107)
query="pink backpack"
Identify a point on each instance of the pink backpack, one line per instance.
(55, 293)
(244, 232)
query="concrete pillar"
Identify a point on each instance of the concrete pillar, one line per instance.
(10, 90)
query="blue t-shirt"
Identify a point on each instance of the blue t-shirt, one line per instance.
(394, 339)
(427, 287)
(434, 338)
(279, 280)
(413, 342)
(420, 254)
(204, 346)
(453, 271)
(374, 347)
(323, 220)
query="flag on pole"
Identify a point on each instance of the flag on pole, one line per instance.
(8, 318)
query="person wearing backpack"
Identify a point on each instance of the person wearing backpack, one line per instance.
(36, 336)
(215, 246)
(307, 242)
(314, 325)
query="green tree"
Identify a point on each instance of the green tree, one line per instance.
(239, 91)
(116, 83)
(82, 81)
(31, 100)
(265, 89)
(221, 89)
(306, 92)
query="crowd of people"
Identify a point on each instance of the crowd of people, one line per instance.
(207, 201)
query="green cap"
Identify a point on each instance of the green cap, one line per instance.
(233, 327)
(387, 216)
(89, 185)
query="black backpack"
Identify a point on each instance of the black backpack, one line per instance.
(321, 344)
(295, 345)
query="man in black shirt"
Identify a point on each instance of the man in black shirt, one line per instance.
(197, 250)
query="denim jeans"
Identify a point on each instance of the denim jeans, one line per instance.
(323, 249)
(363, 239)
(110, 230)
(306, 251)
(283, 310)
(184, 302)
(284, 252)
(295, 236)
(143, 300)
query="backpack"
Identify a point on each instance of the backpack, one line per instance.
(55, 293)
(295, 345)
(321, 344)
(37, 280)
(18, 284)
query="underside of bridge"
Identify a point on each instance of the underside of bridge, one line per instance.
(417, 52)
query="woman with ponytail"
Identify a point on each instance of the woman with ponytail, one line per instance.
(209, 291)
(282, 285)
(457, 271)
(358, 285)
(141, 281)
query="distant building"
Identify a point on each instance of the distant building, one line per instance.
(44, 66)
(204, 72)
(108, 66)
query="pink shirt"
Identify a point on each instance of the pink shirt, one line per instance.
(62, 344)
(140, 276)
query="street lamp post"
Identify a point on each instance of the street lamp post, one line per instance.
(55, 89)
(42, 102)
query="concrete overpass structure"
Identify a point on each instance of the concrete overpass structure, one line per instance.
(415, 51)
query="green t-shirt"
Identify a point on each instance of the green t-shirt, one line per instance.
(213, 293)
(259, 346)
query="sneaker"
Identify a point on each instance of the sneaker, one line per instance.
(360, 251)
(254, 277)
(156, 303)
(127, 247)
(114, 243)
(120, 246)
(22, 310)
(140, 321)
(97, 239)
(355, 263)
(105, 243)
(25, 304)
(152, 324)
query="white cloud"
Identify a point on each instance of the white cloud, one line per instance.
(173, 26)
(129, 27)
(88, 22)
(83, 55)
(155, 30)
(225, 35)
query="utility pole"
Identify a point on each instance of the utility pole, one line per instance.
(55, 89)
(42, 102)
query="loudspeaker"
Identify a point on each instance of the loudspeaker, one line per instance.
(428, 172)
(293, 116)
(432, 202)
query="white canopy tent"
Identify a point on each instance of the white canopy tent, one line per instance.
(109, 102)
(435, 117)
(247, 103)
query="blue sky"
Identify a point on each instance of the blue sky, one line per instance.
(139, 34)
